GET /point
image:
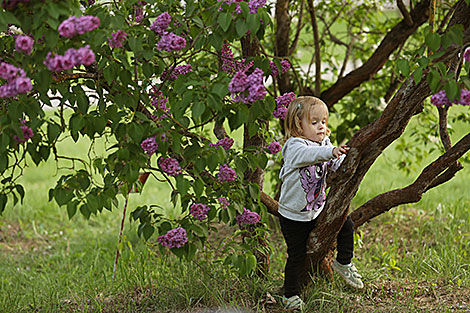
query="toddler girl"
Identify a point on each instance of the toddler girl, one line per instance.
(308, 155)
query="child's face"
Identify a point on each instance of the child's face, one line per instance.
(314, 128)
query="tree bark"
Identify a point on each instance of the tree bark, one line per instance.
(282, 41)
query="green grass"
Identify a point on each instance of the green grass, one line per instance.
(414, 258)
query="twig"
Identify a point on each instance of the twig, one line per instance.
(299, 28)
(316, 40)
(406, 15)
(120, 235)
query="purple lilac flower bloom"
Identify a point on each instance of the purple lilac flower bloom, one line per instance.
(285, 99)
(466, 55)
(86, 55)
(280, 112)
(248, 217)
(149, 145)
(225, 143)
(274, 147)
(224, 203)
(254, 5)
(175, 238)
(87, 23)
(226, 54)
(285, 66)
(177, 71)
(161, 23)
(71, 58)
(464, 97)
(117, 38)
(256, 92)
(23, 85)
(27, 134)
(170, 166)
(17, 82)
(78, 25)
(67, 28)
(163, 137)
(440, 99)
(199, 211)
(171, 42)
(24, 44)
(239, 83)
(226, 174)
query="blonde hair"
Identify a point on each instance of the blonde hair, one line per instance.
(299, 108)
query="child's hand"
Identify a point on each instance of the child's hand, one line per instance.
(339, 151)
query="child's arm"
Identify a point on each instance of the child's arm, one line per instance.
(340, 154)
(297, 154)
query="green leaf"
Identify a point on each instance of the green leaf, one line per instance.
(182, 185)
(403, 67)
(135, 43)
(198, 187)
(433, 78)
(53, 131)
(433, 41)
(148, 70)
(3, 202)
(452, 90)
(4, 142)
(455, 33)
(250, 263)
(241, 27)
(147, 231)
(224, 20)
(62, 196)
(198, 109)
(418, 75)
(220, 89)
(253, 23)
(71, 208)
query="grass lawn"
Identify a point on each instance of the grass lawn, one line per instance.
(414, 258)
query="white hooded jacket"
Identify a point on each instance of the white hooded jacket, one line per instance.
(303, 177)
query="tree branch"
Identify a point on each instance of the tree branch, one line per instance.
(397, 36)
(406, 15)
(316, 39)
(299, 28)
(413, 192)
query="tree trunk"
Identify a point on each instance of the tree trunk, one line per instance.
(369, 142)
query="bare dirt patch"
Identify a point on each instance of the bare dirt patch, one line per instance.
(13, 240)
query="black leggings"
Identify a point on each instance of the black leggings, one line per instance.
(296, 235)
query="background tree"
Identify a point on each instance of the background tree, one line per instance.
(153, 79)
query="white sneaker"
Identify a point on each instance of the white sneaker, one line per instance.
(349, 273)
(293, 302)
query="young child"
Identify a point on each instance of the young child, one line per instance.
(308, 155)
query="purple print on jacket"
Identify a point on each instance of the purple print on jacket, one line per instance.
(311, 179)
